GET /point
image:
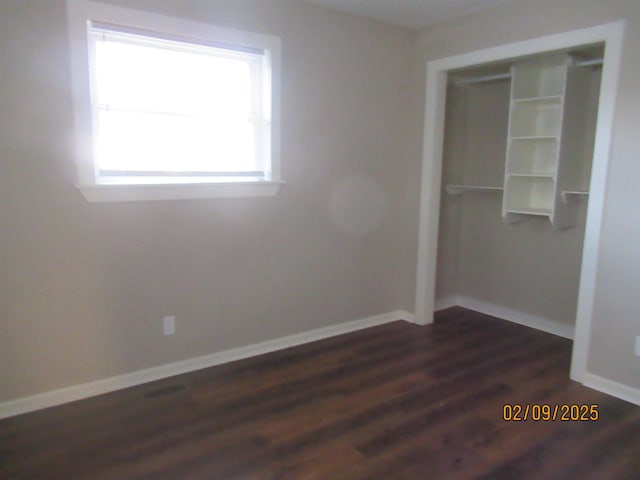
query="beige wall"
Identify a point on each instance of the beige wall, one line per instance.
(616, 307)
(83, 286)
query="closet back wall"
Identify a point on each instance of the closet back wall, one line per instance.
(526, 267)
(83, 287)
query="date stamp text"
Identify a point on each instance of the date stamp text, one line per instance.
(550, 413)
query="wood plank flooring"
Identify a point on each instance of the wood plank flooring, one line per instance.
(397, 401)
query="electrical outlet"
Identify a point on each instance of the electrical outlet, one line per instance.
(637, 351)
(169, 325)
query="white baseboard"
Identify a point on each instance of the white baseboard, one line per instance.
(446, 302)
(86, 390)
(516, 316)
(615, 389)
(406, 316)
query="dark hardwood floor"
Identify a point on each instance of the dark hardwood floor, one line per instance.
(395, 401)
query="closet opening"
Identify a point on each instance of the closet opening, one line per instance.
(516, 150)
(516, 165)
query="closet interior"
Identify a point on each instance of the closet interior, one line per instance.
(519, 138)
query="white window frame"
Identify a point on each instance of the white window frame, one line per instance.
(80, 13)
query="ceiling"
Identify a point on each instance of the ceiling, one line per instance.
(410, 13)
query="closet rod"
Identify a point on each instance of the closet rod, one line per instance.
(588, 63)
(504, 76)
(486, 78)
(566, 193)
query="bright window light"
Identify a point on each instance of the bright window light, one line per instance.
(172, 110)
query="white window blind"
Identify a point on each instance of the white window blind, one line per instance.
(175, 110)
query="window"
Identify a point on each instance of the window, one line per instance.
(170, 108)
(165, 108)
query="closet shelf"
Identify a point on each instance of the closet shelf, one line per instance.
(460, 189)
(572, 193)
(531, 211)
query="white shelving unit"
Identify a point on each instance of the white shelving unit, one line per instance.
(543, 140)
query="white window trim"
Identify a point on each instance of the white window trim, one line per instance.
(79, 12)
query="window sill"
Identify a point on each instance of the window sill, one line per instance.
(146, 193)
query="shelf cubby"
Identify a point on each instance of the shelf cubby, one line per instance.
(533, 155)
(540, 77)
(540, 118)
(529, 194)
